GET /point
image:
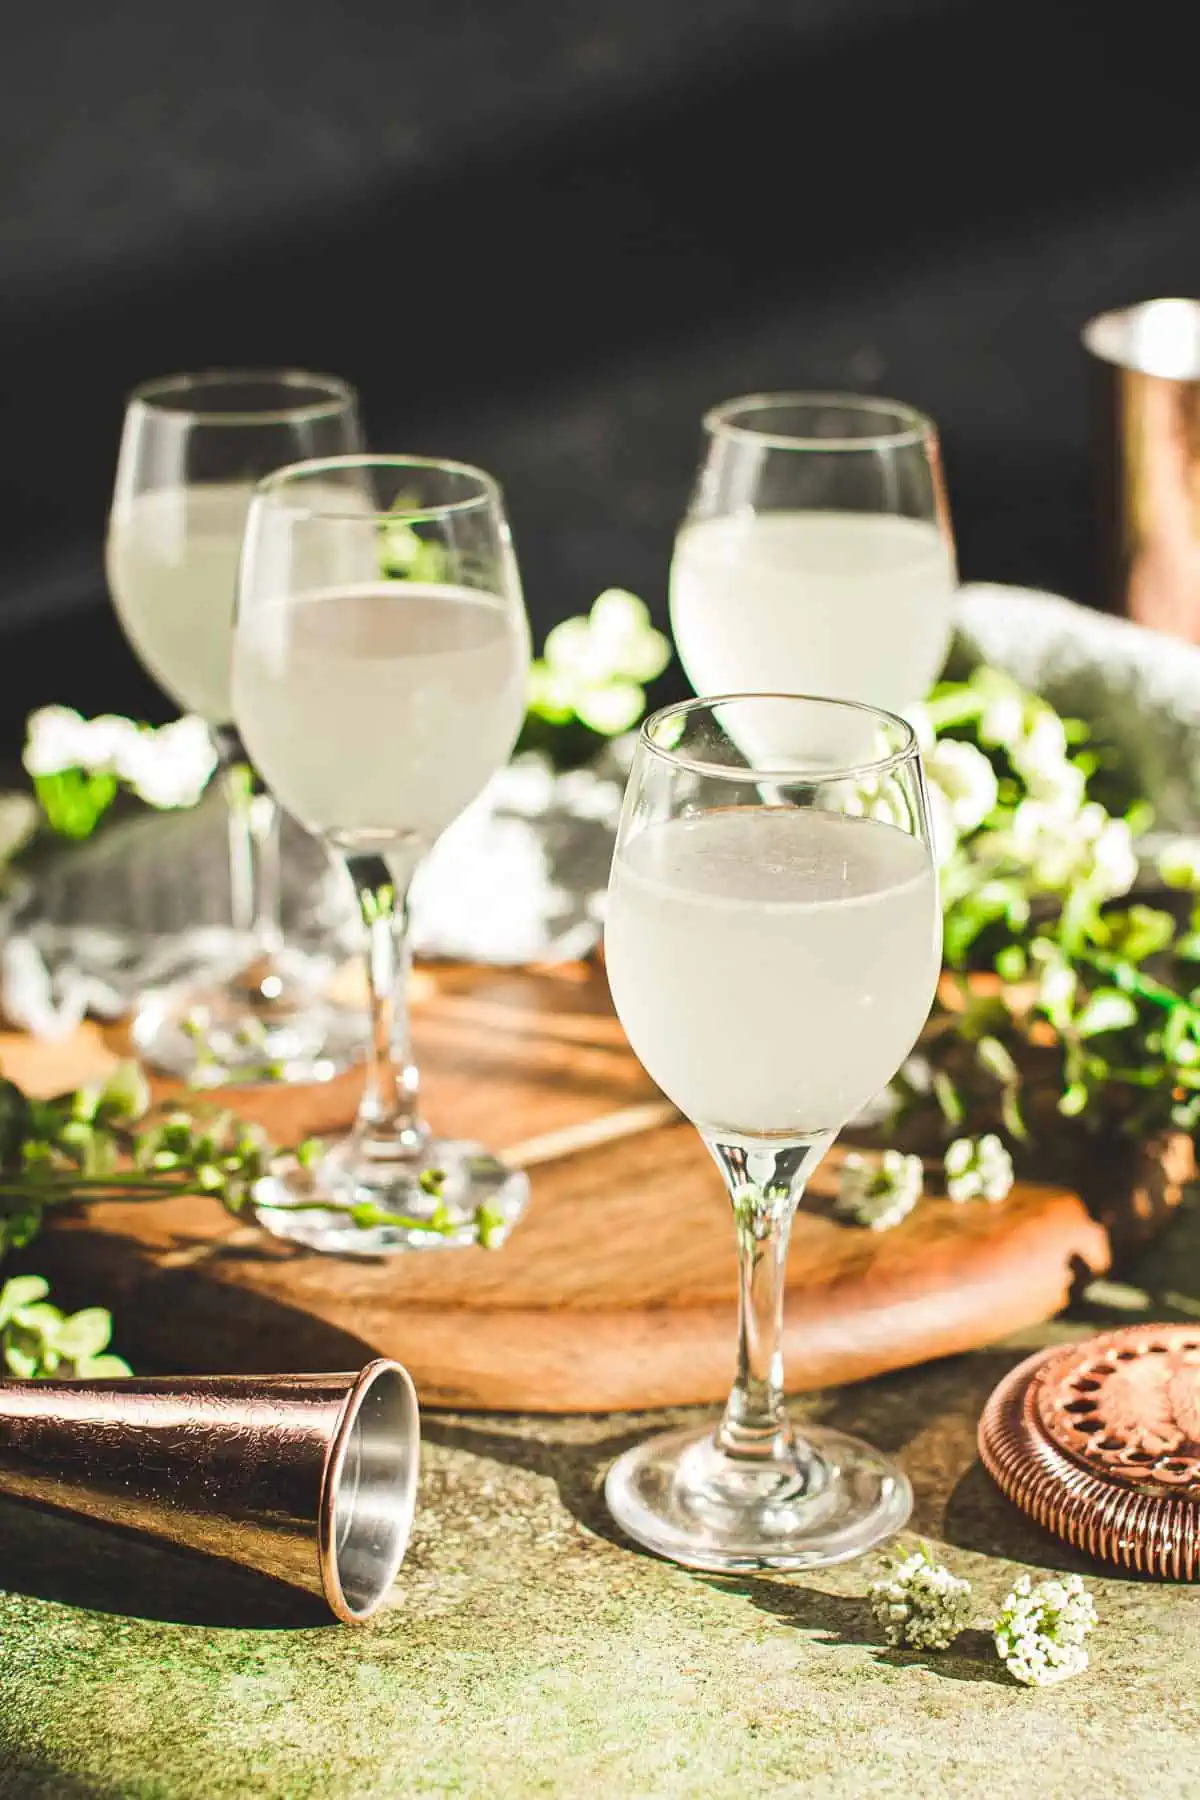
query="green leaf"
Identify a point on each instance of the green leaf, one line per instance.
(1073, 1101)
(365, 1214)
(95, 1366)
(84, 1334)
(489, 1222)
(1138, 932)
(21, 1291)
(947, 1097)
(1107, 1009)
(993, 1056)
(1012, 1116)
(125, 1094)
(1011, 963)
(20, 1221)
(41, 1318)
(74, 802)
(22, 1363)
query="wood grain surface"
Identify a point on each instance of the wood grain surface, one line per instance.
(616, 1292)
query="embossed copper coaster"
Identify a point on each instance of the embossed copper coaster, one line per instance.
(1100, 1443)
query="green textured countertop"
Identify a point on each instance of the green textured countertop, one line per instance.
(528, 1652)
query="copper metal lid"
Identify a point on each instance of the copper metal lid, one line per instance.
(1100, 1443)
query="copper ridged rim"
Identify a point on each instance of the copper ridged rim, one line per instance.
(1151, 1534)
(327, 1561)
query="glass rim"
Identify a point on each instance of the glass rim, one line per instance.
(908, 750)
(338, 396)
(912, 426)
(274, 487)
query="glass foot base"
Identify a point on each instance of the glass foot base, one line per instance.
(681, 1497)
(257, 1025)
(478, 1191)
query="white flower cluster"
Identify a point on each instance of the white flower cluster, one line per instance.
(1062, 839)
(878, 1193)
(1086, 848)
(1041, 1631)
(962, 792)
(169, 767)
(978, 1169)
(919, 1604)
(595, 668)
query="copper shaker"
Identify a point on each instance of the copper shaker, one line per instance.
(309, 1479)
(1145, 369)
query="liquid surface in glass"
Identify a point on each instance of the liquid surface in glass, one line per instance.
(172, 569)
(852, 605)
(772, 966)
(379, 711)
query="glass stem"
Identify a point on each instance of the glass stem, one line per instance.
(253, 848)
(765, 1183)
(388, 1127)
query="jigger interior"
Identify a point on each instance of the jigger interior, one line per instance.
(309, 1479)
(369, 1491)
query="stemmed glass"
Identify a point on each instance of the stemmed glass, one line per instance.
(773, 941)
(192, 449)
(816, 554)
(380, 664)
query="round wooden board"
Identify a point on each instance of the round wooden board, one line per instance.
(617, 1290)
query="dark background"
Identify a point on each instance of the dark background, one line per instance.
(544, 235)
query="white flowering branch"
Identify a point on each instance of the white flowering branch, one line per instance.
(78, 765)
(1039, 1633)
(1041, 1630)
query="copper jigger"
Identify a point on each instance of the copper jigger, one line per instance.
(1145, 365)
(310, 1479)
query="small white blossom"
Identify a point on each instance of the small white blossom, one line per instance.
(1042, 746)
(1114, 863)
(170, 767)
(1057, 989)
(1041, 760)
(1179, 863)
(966, 778)
(615, 639)
(56, 739)
(978, 1169)
(878, 1194)
(629, 643)
(920, 1605)
(1039, 840)
(1040, 1631)
(1002, 721)
(111, 742)
(611, 709)
(1061, 789)
(1094, 850)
